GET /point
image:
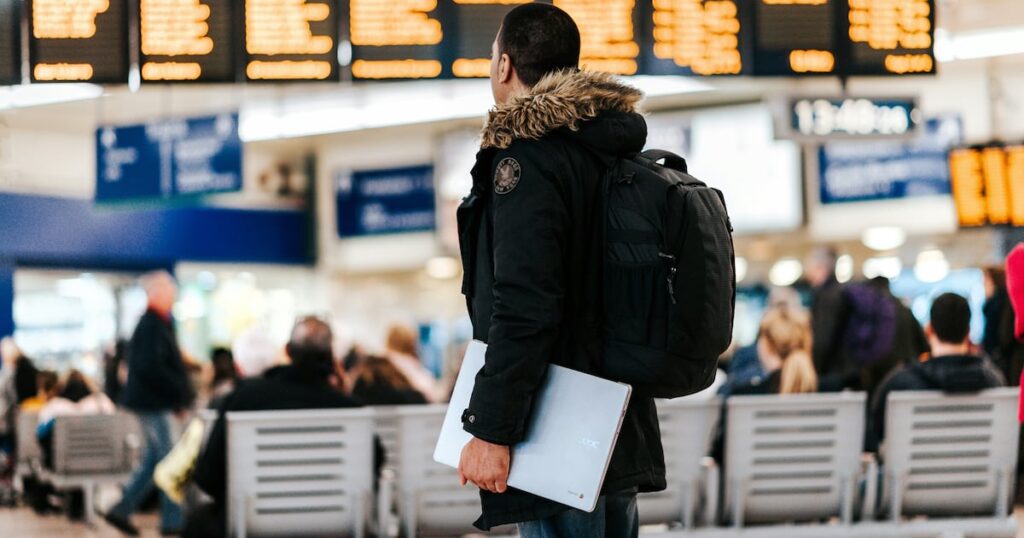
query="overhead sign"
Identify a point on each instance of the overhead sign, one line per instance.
(10, 42)
(797, 37)
(291, 39)
(186, 40)
(375, 202)
(828, 118)
(887, 170)
(988, 184)
(78, 41)
(303, 40)
(168, 158)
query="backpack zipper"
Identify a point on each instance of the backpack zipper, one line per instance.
(670, 280)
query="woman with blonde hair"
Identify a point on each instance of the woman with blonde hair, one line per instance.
(784, 348)
(402, 350)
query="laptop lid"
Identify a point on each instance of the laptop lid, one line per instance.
(573, 428)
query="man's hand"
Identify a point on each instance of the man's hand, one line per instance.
(486, 465)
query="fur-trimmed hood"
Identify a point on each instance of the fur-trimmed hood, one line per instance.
(560, 99)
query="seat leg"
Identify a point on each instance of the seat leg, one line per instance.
(847, 485)
(896, 502)
(88, 492)
(409, 515)
(738, 496)
(1002, 493)
(687, 498)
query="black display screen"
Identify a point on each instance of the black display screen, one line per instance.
(78, 41)
(186, 40)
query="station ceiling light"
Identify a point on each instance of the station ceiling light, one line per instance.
(741, 268)
(978, 44)
(786, 272)
(883, 238)
(931, 266)
(30, 95)
(443, 267)
(844, 268)
(888, 266)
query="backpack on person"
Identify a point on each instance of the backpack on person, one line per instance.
(669, 277)
(870, 331)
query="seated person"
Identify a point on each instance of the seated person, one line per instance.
(745, 367)
(784, 350)
(379, 382)
(950, 367)
(76, 396)
(46, 390)
(304, 384)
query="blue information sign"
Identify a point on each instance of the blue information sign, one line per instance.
(168, 158)
(395, 200)
(886, 170)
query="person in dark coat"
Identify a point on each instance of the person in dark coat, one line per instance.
(301, 385)
(828, 319)
(950, 367)
(999, 341)
(158, 388)
(532, 256)
(908, 344)
(380, 382)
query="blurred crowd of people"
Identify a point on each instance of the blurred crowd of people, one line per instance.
(854, 336)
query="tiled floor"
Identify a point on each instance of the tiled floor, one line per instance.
(24, 522)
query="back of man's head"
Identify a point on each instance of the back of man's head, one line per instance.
(950, 319)
(539, 39)
(311, 346)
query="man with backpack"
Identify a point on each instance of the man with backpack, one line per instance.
(533, 244)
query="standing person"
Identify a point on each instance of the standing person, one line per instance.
(828, 318)
(532, 253)
(157, 388)
(908, 341)
(999, 341)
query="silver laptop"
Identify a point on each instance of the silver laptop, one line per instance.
(572, 431)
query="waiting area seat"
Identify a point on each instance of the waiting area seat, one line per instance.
(300, 473)
(686, 429)
(794, 457)
(28, 452)
(89, 451)
(950, 455)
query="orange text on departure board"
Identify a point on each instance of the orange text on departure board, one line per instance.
(394, 22)
(888, 25)
(988, 185)
(66, 19)
(607, 41)
(282, 27)
(174, 28)
(274, 27)
(478, 67)
(700, 35)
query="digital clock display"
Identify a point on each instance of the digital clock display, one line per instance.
(854, 117)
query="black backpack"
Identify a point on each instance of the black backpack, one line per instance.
(669, 277)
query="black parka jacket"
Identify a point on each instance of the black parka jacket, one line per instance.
(532, 248)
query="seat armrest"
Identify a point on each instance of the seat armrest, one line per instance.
(711, 476)
(869, 499)
(385, 499)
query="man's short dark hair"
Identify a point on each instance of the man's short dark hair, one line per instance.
(311, 346)
(951, 318)
(540, 39)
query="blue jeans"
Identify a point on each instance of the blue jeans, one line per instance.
(156, 430)
(614, 517)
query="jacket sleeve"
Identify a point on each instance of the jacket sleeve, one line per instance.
(530, 227)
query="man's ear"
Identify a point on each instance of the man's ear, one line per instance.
(505, 69)
(928, 331)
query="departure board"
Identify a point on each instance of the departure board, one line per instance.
(696, 37)
(608, 37)
(395, 39)
(475, 26)
(796, 37)
(10, 42)
(78, 41)
(186, 40)
(988, 185)
(891, 37)
(291, 40)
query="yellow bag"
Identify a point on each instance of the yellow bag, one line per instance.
(175, 471)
